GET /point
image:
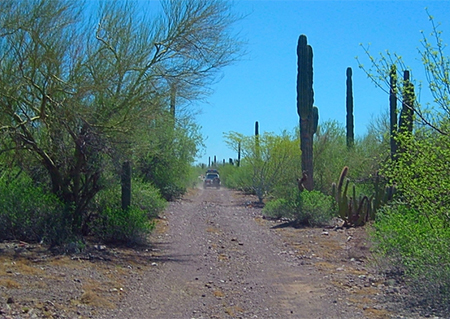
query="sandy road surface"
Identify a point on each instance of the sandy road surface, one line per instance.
(219, 263)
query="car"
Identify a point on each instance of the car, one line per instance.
(212, 179)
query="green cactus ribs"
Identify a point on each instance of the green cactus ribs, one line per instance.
(308, 113)
(358, 210)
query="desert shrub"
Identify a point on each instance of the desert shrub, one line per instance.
(30, 214)
(314, 208)
(407, 241)
(266, 162)
(278, 208)
(238, 178)
(147, 198)
(143, 196)
(311, 208)
(331, 154)
(129, 226)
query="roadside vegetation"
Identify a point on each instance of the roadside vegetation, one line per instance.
(89, 89)
(394, 179)
(85, 89)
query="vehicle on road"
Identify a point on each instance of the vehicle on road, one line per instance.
(212, 179)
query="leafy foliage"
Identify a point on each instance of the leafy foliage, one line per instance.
(413, 235)
(310, 208)
(270, 163)
(83, 91)
(407, 239)
(113, 224)
(28, 213)
(129, 226)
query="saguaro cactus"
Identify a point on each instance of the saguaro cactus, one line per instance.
(309, 114)
(257, 146)
(349, 105)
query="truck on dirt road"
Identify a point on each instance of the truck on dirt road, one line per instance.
(212, 179)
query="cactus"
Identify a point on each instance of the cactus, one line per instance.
(126, 185)
(382, 194)
(406, 116)
(405, 125)
(349, 105)
(393, 108)
(309, 115)
(340, 194)
(356, 211)
(239, 154)
(257, 146)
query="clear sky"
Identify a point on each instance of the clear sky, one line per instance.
(262, 86)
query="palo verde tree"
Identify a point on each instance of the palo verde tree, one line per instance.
(414, 232)
(272, 163)
(309, 114)
(81, 95)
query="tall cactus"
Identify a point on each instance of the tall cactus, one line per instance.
(406, 116)
(349, 104)
(239, 154)
(309, 114)
(393, 109)
(257, 146)
(405, 122)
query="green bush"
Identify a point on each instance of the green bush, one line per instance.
(132, 225)
(407, 241)
(147, 198)
(278, 208)
(129, 226)
(315, 208)
(28, 213)
(238, 178)
(143, 196)
(311, 208)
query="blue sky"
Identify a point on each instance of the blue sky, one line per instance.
(262, 85)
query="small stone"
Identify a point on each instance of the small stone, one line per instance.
(10, 300)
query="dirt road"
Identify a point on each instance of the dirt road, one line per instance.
(212, 255)
(218, 261)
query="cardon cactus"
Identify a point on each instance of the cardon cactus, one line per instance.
(349, 106)
(405, 122)
(309, 114)
(406, 115)
(393, 108)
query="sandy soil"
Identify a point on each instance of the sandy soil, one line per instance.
(212, 255)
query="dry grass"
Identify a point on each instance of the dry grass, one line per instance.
(19, 266)
(218, 293)
(233, 311)
(213, 230)
(222, 257)
(9, 283)
(91, 298)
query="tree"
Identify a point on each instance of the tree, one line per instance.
(80, 96)
(268, 164)
(413, 232)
